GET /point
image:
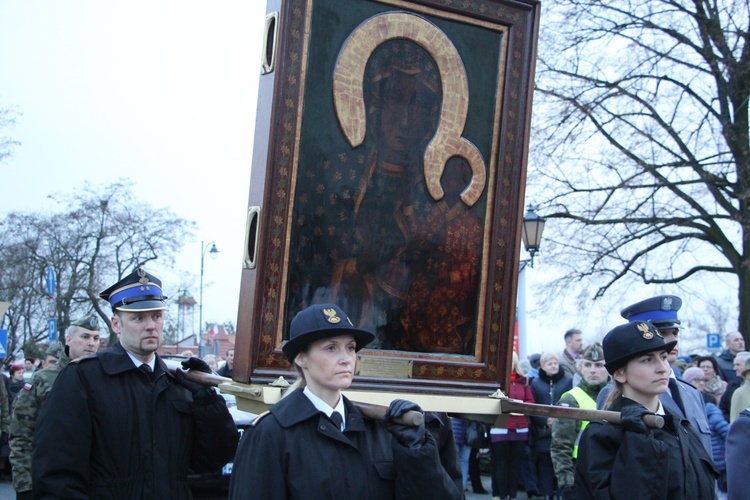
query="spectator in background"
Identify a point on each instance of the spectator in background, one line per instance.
(714, 384)
(734, 343)
(737, 457)
(565, 431)
(571, 353)
(16, 382)
(459, 435)
(508, 442)
(741, 397)
(29, 366)
(226, 369)
(726, 399)
(212, 361)
(547, 389)
(534, 366)
(719, 429)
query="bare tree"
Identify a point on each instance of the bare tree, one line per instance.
(100, 235)
(640, 146)
(7, 120)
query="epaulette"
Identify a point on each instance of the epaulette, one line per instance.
(259, 418)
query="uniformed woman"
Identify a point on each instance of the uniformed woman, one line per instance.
(630, 460)
(316, 444)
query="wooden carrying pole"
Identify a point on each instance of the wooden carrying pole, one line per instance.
(373, 412)
(507, 407)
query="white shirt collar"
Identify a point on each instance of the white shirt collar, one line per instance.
(324, 407)
(137, 362)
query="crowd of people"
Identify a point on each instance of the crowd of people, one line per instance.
(637, 370)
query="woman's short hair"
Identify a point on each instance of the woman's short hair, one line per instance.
(548, 356)
(710, 359)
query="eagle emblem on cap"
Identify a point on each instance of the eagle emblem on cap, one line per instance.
(646, 332)
(142, 275)
(666, 304)
(331, 315)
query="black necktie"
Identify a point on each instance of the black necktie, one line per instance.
(148, 371)
(337, 419)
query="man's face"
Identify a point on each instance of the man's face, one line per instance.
(594, 372)
(82, 342)
(736, 343)
(140, 332)
(230, 358)
(669, 335)
(28, 365)
(574, 344)
(50, 360)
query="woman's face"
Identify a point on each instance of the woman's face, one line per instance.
(708, 369)
(328, 364)
(551, 366)
(18, 375)
(645, 376)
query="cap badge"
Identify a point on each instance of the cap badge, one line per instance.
(142, 276)
(331, 315)
(666, 304)
(645, 331)
(594, 355)
(93, 323)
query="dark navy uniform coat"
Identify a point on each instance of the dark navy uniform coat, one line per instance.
(108, 431)
(295, 452)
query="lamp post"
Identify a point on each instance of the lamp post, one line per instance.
(531, 234)
(214, 252)
(533, 226)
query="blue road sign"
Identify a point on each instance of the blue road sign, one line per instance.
(713, 341)
(52, 327)
(3, 342)
(51, 281)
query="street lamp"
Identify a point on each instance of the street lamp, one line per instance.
(214, 253)
(533, 225)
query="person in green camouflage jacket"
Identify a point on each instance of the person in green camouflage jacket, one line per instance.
(565, 431)
(81, 339)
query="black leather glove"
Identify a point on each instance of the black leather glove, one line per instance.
(631, 418)
(568, 493)
(196, 364)
(409, 436)
(201, 393)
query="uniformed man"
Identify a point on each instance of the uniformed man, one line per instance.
(681, 398)
(565, 431)
(81, 339)
(119, 424)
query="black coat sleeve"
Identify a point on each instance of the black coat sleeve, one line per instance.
(215, 435)
(60, 466)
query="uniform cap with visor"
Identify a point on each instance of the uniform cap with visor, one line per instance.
(138, 291)
(627, 341)
(661, 311)
(321, 321)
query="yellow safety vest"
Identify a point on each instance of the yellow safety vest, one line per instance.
(586, 402)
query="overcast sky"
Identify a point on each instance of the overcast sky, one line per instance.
(163, 93)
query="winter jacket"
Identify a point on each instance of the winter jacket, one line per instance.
(667, 463)
(519, 389)
(547, 390)
(725, 361)
(294, 452)
(107, 430)
(719, 428)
